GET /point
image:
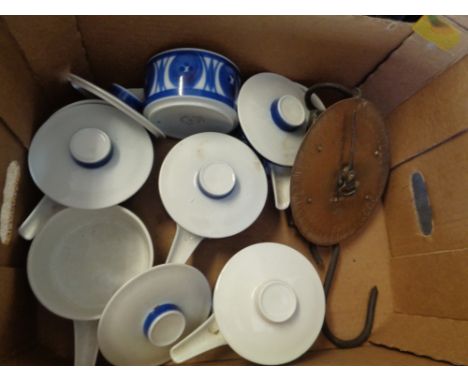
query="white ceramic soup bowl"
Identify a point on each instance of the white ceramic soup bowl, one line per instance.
(213, 186)
(151, 312)
(79, 260)
(87, 155)
(275, 119)
(268, 306)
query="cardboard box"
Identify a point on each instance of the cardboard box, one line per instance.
(420, 84)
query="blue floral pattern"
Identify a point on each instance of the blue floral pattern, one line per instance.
(192, 72)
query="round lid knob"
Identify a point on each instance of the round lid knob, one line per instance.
(288, 113)
(164, 325)
(90, 147)
(276, 301)
(217, 180)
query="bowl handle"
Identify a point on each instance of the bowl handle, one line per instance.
(183, 245)
(86, 344)
(44, 210)
(281, 180)
(206, 337)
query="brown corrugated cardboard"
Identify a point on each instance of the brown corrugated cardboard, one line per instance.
(60, 50)
(434, 114)
(412, 66)
(429, 272)
(308, 49)
(432, 284)
(421, 280)
(444, 170)
(54, 334)
(440, 339)
(362, 356)
(21, 99)
(17, 316)
(363, 264)
(34, 356)
(365, 356)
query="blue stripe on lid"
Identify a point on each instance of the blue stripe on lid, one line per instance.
(155, 313)
(279, 121)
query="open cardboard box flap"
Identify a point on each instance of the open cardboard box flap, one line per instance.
(422, 312)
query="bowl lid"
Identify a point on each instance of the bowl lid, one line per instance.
(89, 155)
(276, 312)
(81, 257)
(273, 116)
(121, 332)
(213, 185)
(348, 154)
(86, 87)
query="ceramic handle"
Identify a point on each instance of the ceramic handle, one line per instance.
(183, 245)
(281, 179)
(205, 338)
(86, 343)
(44, 210)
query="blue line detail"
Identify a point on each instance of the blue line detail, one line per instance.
(278, 120)
(190, 92)
(95, 165)
(155, 313)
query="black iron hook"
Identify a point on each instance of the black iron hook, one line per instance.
(315, 254)
(312, 247)
(372, 302)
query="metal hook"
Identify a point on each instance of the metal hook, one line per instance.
(372, 302)
(315, 254)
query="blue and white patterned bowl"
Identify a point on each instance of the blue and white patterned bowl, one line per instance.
(190, 90)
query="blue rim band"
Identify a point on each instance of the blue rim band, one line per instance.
(207, 194)
(155, 313)
(126, 96)
(95, 165)
(190, 92)
(278, 120)
(205, 53)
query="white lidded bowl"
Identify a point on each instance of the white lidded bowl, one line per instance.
(80, 259)
(191, 90)
(213, 186)
(148, 314)
(268, 306)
